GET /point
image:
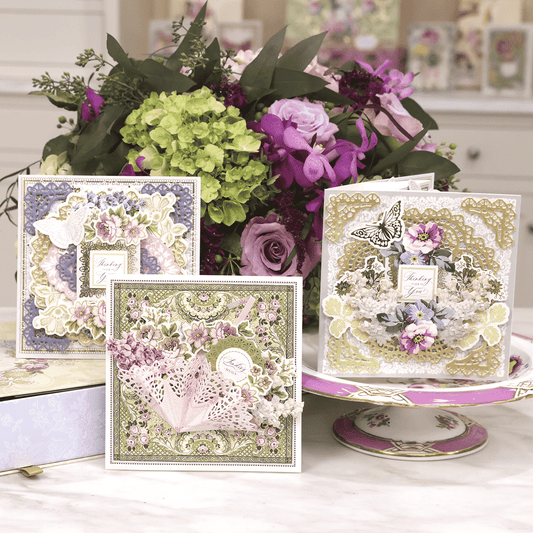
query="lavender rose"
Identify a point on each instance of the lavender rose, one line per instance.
(266, 246)
(310, 119)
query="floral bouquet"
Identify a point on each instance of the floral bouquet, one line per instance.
(266, 131)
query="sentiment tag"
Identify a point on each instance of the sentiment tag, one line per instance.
(417, 282)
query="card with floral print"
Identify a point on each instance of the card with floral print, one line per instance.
(207, 377)
(417, 284)
(77, 230)
(507, 60)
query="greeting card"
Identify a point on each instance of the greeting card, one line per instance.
(507, 61)
(472, 18)
(417, 283)
(74, 232)
(207, 376)
(431, 54)
(356, 29)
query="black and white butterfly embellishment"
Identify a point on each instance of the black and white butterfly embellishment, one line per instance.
(387, 229)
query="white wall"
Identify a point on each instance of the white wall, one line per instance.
(39, 36)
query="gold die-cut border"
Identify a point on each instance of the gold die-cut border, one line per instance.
(341, 208)
(497, 215)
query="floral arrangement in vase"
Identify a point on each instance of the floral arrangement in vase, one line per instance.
(267, 131)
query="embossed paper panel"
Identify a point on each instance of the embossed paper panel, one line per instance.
(74, 231)
(208, 376)
(417, 284)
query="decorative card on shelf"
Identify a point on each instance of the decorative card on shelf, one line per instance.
(430, 53)
(74, 231)
(417, 284)
(208, 377)
(357, 29)
(507, 64)
(472, 18)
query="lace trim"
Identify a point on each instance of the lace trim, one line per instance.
(37, 339)
(39, 199)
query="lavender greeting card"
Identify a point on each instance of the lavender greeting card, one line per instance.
(77, 230)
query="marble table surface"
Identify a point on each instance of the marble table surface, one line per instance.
(338, 490)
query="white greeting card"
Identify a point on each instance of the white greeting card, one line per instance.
(417, 284)
(207, 376)
(77, 230)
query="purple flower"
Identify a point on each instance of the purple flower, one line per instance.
(144, 439)
(267, 245)
(411, 258)
(418, 312)
(91, 109)
(260, 441)
(423, 238)
(133, 233)
(349, 162)
(416, 337)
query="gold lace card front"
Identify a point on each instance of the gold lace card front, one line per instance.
(77, 230)
(417, 284)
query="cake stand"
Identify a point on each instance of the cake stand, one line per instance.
(412, 419)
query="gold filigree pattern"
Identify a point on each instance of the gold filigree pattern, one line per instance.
(482, 361)
(41, 246)
(345, 356)
(458, 236)
(497, 215)
(342, 208)
(178, 250)
(391, 352)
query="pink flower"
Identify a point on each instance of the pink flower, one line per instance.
(309, 119)
(416, 337)
(108, 228)
(197, 335)
(385, 126)
(266, 246)
(99, 313)
(81, 313)
(423, 238)
(133, 233)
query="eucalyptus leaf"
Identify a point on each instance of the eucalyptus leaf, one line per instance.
(420, 162)
(212, 53)
(119, 55)
(162, 79)
(302, 53)
(61, 99)
(397, 155)
(56, 146)
(260, 71)
(175, 62)
(414, 109)
(290, 83)
(97, 138)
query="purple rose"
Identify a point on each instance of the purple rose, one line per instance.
(309, 119)
(266, 246)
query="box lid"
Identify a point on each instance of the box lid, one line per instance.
(25, 377)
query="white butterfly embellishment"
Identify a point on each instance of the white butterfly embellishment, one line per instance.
(64, 232)
(387, 229)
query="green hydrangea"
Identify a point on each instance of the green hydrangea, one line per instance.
(194, 134)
